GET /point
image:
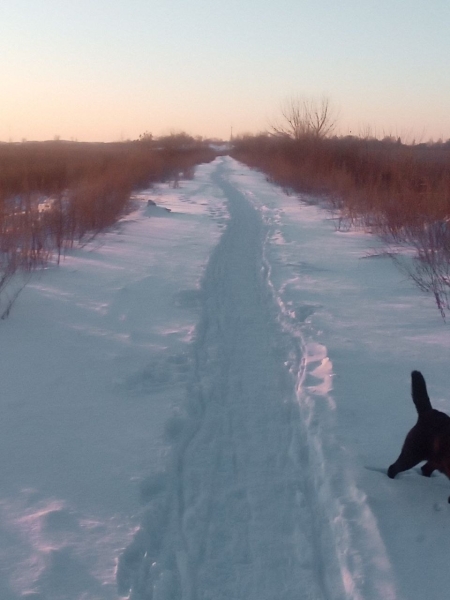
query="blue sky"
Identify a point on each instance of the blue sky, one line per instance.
(109, 69)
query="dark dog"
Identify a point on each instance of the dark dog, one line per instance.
(428, 440)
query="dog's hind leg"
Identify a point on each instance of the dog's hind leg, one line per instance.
(428, 468)
(413, 452)
(404, 462)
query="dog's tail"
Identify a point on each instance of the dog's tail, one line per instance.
(419, 393)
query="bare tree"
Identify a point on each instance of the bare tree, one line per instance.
(301, 117)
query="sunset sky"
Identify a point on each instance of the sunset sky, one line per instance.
(112, 69)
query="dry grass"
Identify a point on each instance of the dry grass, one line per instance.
(400, 192)
(86, 187)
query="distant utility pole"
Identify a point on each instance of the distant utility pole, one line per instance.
(231, 134)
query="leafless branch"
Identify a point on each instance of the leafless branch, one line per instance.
(301, 117)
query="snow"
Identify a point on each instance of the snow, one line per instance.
(203, 403)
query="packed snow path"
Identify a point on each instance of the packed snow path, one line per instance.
(235, 481)
(236, 514)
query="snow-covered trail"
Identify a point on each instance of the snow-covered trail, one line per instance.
(244, 508)
(236, 507)
(240, 367)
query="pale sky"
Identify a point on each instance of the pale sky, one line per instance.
(112, 69)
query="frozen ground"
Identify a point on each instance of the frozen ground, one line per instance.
(202, 404)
